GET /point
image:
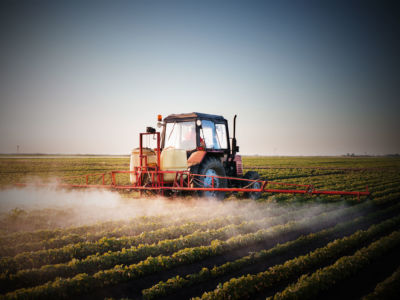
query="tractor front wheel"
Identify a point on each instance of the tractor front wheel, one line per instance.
(211, 167)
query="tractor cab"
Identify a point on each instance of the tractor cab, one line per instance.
(205, 138)
(196, 132)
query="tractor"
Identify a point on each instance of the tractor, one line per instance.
(200, 144)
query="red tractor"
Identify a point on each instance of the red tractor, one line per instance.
(209, 151)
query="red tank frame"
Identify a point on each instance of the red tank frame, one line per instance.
(184, 180)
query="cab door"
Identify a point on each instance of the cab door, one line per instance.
(214, 135)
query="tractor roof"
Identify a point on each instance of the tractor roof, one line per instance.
(193, 116)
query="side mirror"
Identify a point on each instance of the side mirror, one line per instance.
(150, 130)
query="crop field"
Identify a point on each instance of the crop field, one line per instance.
(91, 244)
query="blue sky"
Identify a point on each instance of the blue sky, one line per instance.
(304, 79)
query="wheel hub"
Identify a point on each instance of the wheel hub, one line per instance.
(208, 182)
(256, 185)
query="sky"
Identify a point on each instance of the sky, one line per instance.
(304, 78)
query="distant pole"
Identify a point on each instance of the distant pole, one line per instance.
(17, 149)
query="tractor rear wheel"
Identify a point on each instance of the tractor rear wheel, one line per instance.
(252, 175)
(211, 166)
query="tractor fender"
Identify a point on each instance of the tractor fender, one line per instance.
(196, 158)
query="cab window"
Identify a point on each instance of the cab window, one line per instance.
(213, 135)
(180, 135)
(221, 135)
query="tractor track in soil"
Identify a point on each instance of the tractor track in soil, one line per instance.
(133, 288)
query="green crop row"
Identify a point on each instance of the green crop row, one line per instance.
(28, 260)
(349, 182)
(381, 188)
(83, 282)
(80, 240)
(98, 261)
(245, 287)
(387, 198)
(148, 233)
(277, 174)
(110, 226)
(173, 284)
(387, 289)
(94, 263)
(28, 241)
(310, 286)
(316, 161)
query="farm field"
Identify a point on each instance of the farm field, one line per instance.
(86, 244)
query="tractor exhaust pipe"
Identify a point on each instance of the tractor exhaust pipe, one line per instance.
(235, 148)
(234, 127)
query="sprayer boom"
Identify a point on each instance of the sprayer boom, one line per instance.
(185, 182)
(193, 154)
